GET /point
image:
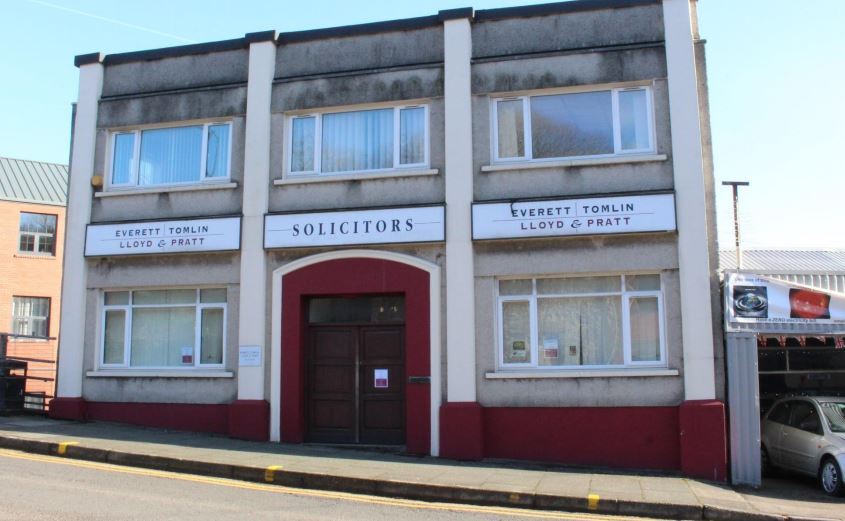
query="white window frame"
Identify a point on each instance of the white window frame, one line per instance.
(38, 236)
(625, 301)
(127, 330)
(318, 132)
(30, 318)
(526, 122)
(136, 154)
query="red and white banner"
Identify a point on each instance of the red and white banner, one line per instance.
(756, 299)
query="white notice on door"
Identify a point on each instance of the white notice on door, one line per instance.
(380, 379)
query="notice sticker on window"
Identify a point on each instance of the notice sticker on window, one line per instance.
(551, 348)
(518, 351)
(188, 355)
(380, 380)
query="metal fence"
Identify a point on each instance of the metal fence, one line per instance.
(14, 375)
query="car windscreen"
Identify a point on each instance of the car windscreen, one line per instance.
(835, 414)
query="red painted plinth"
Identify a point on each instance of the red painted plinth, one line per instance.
(249, 420)
(704, 448)
(462, 431)
(193, 417)
(621, 437)
(67, 409)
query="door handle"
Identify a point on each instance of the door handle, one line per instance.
(419, 379)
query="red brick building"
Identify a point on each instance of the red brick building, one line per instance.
(32, 216)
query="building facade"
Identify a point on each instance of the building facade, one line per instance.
(32, 217)
(473, 234)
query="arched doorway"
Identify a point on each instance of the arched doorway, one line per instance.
(357, 274)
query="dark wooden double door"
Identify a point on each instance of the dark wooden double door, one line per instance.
(356, 384)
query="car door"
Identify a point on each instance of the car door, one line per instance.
(772, 429)
(800, 440)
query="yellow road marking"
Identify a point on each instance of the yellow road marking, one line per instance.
(593, 501)
(270, 472)
(404, 503)
(64, 445)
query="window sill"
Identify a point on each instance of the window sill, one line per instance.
(324, 178)
(34, 256)
(127, 373)
(587, 373)
(563, 163)
(167, 189)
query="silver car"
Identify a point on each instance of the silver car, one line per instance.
(806, 435)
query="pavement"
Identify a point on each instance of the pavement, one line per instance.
(381, 473)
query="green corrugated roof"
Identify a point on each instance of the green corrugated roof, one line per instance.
(33, 181)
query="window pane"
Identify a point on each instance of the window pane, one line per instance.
(170, 155)
(572, 125)
(213, 295)
(165, 296)
(211, 340)
(21, 326)
(114, 335)
(302, 144)
(575, 285)
(511, 128)
(27, 242)
(357, 140)
(45, 244)
(645, 330)
(325, 310)
(124, 157)
(411, 136)
(116, 298)
(580, 331)
(642, 282)
(633, 119)
(515, 287)
(217, 157)
(30, 315)
(38, 223)
(160, 335)
(516, 332)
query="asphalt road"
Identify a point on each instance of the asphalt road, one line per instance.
(34, 488)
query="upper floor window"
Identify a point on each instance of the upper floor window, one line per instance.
(358, 141)
(37, 233)
(581, 322)
(573, 125)
(31, 316)
(172, 155)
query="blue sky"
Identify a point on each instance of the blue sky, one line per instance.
(776, 70)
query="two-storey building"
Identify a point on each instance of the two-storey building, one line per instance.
(473, 234)
(32, 224)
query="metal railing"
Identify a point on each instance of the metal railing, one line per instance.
(14, 375)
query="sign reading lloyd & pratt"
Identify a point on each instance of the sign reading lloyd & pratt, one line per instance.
(371, 226)
(177, 236)
(589, 216)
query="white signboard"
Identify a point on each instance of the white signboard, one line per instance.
(179, 236)
(249, 356)
(552, 218)
(375, 226)
(763, 300)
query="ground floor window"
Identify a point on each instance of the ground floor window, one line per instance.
(31, 316)
(164, 328)
(566, 322)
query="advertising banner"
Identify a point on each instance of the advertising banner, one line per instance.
(587, 216)
(177, 236)
(764, 300)
(370, 226)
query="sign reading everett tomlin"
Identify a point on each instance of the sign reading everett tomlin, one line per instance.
(178, 236)
(371, 226)
(593, 216)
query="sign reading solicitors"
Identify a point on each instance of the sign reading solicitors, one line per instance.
(552, 218)
(372, 226)
(179, 236)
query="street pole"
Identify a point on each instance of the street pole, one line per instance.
(734, 185)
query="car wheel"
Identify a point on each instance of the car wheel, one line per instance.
(766, 467)
(830, 477)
